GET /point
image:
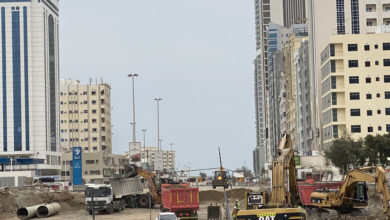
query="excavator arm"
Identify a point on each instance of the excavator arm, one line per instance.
(150, 177)
(284, 161)
(361, 175)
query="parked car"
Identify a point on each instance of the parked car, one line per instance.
(166, 216)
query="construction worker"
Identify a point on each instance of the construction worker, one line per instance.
(236, 209)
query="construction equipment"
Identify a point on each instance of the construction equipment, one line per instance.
(181, 200)
(282, 203)
(221, 176)
(352, 194)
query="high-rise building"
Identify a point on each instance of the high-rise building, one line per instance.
(29, 90)
(304, 117)
(85, 113)
(266, 11)
(149, 154)
(294, 12)
(339, 17)
(355, 81)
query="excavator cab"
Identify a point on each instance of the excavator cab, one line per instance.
(360, 197)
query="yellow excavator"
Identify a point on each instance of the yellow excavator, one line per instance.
(352, 194)
(282, 203)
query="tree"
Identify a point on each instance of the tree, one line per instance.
(203, 175)
(377, 149)
(346, 153)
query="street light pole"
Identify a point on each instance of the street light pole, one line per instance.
(144, 131)
(132, 79)
(158, 121)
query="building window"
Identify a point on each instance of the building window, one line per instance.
(388, 128)
(353, 80)
(378, 111)
(95, 148)
(333, 82)
(353, 63)
(355, 129)
(368, 80)
(354, 96)
(387, 95)
(366, 47)
(95, 172)
(334, 98)
(340, 17)
(90, 161)
(368, 96)
(386, 46)
(370, 129)
(333, 66)
(367, 63)
(355, 16)
(93, 92)
(378, 95)
(93, 111)
(377, 62)
(103, 138)
(386, 62)
(94, 139)
(369, 23)
(85, 139)
(387, 111)
(377, 79)
(352, 47)
(94, 129)
(85, 102)
(94, 120)
(376, 46)
(379, 128)
(369, 112)
(387, 78)
(332, 51)
(355, 112)
(85, 111)
(93, 102)
(85, 93)
(334, 114)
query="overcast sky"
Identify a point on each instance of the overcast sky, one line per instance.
(195, 54)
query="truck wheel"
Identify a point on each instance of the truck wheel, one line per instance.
(110, 209)
(214, 187)
(143, 201)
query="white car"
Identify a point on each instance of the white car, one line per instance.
(166, 216)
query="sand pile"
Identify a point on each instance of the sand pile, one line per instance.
(217, 196)
(14, 198)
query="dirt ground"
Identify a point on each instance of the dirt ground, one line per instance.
(73, 203)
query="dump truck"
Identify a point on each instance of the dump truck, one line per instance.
(181, 200)
(115, 196)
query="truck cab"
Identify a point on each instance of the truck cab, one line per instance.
(103, 199)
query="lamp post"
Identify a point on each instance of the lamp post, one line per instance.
(158, 121)
(132, 79)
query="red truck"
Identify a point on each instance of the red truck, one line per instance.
(181, 200)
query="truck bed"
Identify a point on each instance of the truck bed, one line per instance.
(126, 186)
(180, 198)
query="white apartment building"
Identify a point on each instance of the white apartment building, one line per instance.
(85, 116)
(331, 17)
(149, 154)
(29, 106)
(355, 78)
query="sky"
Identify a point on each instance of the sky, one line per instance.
(194, 54)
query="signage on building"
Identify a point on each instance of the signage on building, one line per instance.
(135, 153)
(77, 166)
(158, 161)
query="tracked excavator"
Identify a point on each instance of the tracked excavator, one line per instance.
(282, 203)
(352, 195)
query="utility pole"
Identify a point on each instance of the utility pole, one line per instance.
(229, 217)
(158, 121)
(132, 79)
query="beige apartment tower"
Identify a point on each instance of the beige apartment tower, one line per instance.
(355, 80)
(85, 116)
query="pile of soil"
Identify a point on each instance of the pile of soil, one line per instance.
(217, 196)
(14, 198)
